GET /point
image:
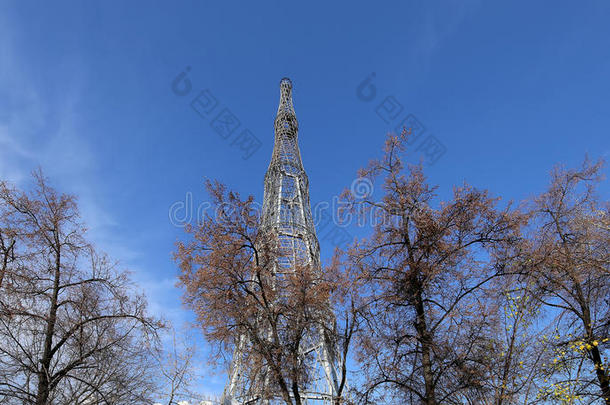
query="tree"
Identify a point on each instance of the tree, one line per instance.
(570, 234)
(230, 280)
(176, 369)
(426, 274)
(344, 298)
(517, 344)
(72, 330)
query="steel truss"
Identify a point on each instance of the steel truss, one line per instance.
(287, 213)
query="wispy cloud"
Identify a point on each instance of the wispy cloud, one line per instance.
(437, 24)
(39, 128)
(34, 130)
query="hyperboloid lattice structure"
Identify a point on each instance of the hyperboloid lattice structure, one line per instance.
(287, 213)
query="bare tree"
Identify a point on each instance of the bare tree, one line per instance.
(516, 346)
(345, 299)
(426, 276)
(228, 272)
(571, 246)
(72, 330)
(176, 369)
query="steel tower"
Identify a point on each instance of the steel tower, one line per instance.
(287, 213)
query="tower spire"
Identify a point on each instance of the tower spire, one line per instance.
(285, 97)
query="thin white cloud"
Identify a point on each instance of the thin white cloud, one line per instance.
(37, 131)
(434, 26)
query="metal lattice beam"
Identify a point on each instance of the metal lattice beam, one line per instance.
(287, 213)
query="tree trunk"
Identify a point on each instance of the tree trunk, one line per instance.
(44, 376)
(602, 377)
(426, 344)
(507, 364)
(295, 392)
(282, 384)
(6, 252)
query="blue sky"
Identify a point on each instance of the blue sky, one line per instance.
(507, 89)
